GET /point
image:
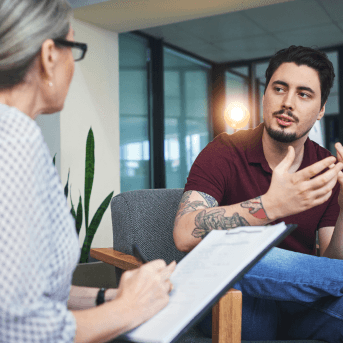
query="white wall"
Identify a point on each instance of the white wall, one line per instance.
(50, 126)
(93, 101)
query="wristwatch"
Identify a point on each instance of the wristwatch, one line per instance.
(100, 299)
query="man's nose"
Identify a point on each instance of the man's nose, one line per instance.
(288, 101)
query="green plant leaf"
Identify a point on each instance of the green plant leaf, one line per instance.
(78, 219)
(72, 210)
(89, 172)
(93, 226)
(66, 187)
(85, 250)
(91, 230)
(54, 159)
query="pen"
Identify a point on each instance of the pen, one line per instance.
(138, 254)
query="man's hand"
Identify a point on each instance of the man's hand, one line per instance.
(339, 149)
(290, 194)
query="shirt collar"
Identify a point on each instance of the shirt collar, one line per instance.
(256, 155)
(310, 154)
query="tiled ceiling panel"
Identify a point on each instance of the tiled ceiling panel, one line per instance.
(129, 15)
(252, 44)
(255, 32)
(334, 8)
(288, 16)
(222, 27)
(321, 35)
(340, 25)
(258, 32)
(254, 47)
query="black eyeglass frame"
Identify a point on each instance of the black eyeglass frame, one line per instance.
(81, 46)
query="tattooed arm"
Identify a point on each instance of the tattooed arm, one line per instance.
(196, 217)
(289, 193)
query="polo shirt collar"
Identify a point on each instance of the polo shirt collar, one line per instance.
(256, 155)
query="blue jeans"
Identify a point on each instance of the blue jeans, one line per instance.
(288, 295)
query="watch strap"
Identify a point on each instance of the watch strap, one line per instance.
(100, 299)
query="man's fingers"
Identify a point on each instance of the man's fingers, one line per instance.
(321, 199)
(286, 163)
(339, 149)
(314, 169)
(340, 178)
(326, 179)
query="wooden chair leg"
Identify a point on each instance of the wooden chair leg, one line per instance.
(227, 318)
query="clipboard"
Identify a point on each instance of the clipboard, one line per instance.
(247, 245)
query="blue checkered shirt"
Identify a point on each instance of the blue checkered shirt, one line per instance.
(39, 247)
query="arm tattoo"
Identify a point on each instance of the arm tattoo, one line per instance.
(214, 219)
(211, 202)
(186, 206)
(256, 208)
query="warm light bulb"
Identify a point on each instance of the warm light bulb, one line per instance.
(236, 115)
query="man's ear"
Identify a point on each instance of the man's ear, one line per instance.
(321, 113)
(48, 59)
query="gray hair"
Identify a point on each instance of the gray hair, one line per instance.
(24, 26)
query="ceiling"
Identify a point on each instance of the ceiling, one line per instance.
(225, 31)
(127, 15)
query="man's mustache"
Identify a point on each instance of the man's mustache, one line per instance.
(288, 113)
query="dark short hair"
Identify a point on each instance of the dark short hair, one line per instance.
(312, 58)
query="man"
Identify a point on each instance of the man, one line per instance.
(271, 174)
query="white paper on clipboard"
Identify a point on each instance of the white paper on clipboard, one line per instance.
(203, 273)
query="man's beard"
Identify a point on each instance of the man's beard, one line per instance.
(284, 137)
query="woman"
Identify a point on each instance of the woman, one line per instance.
(38, 242)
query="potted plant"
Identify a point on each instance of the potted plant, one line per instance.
(96, 274)
(91, 226)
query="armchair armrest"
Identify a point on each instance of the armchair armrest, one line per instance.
(226, 314)
(115, 258)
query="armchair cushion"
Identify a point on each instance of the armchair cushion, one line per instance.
(146, 217)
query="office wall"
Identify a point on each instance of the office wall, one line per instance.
(93, 101)
(50, 126)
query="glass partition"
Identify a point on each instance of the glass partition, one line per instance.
(186, 114)
(134, 113)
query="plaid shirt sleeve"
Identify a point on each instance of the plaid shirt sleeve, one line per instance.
(39, 247)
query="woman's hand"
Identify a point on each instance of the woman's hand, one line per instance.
(141, 294)
(145, 291)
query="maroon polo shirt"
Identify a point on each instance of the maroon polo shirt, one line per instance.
(232, 169)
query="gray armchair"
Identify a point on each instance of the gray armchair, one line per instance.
(146, 217)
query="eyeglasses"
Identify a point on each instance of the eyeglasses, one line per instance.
(78, 49)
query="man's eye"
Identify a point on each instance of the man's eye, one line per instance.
(278, 89)
(304, 95)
